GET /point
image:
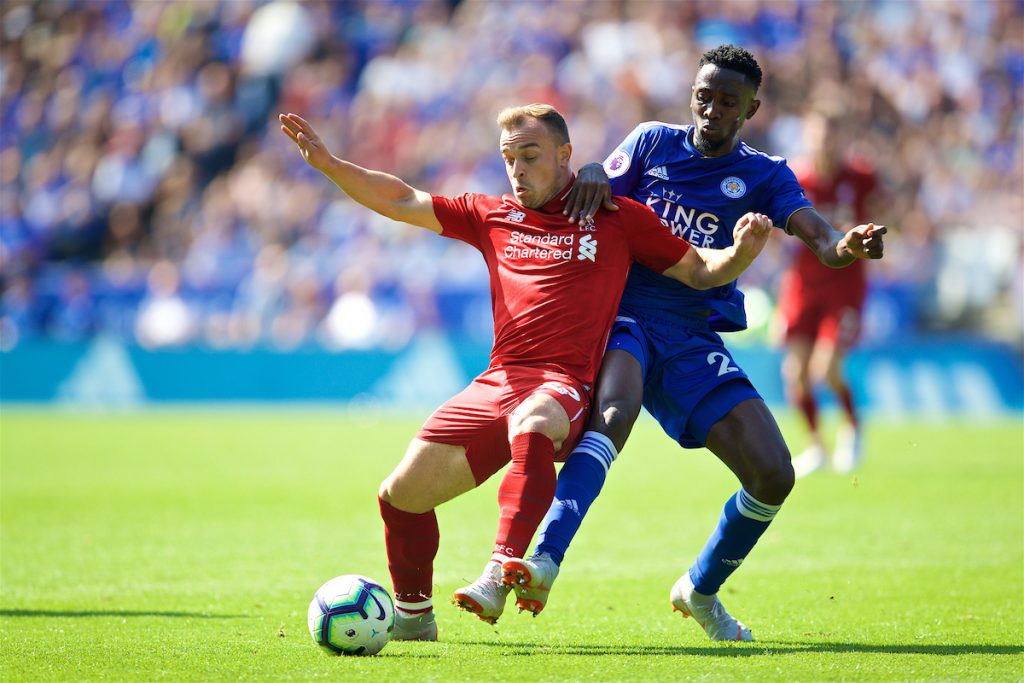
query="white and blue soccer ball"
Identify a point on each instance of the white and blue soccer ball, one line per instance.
(352, 615)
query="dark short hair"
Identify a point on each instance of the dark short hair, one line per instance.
(545, 113)
(734, 59)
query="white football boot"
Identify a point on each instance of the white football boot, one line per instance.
(486, 596)
(847, 455)
(810, 460)
(707, 611)
(414, 627)
(531, 580)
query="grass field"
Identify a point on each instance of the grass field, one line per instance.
(186, 546)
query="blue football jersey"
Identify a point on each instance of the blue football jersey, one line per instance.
(699, 199)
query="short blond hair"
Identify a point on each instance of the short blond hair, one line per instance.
(510, 117)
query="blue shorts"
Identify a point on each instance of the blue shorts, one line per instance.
(690, 379)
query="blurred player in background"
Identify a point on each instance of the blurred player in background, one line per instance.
(665, 352)
(555, 288)
(820, 308)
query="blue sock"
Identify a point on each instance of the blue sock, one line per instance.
(579, 482)
(743, 520)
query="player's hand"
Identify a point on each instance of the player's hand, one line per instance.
(588, 193)
(865, 241)
(751, 234)
(312, 148)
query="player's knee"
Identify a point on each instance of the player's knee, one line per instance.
(772, 478)
(540, 415)
(615, 419)
(386, 491)
(401, 493)
(774, 483)
(835, 380)
(540, 423)
(796, 374)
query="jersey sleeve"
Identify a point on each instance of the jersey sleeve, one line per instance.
(650, 243)
(625, 166)
(461, 217)
(783, 197)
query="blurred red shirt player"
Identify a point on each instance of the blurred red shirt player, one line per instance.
(820, 308)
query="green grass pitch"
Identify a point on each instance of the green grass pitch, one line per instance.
(185, 545)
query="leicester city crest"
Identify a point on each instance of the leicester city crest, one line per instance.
(733, 187)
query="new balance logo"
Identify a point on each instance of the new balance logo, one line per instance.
(732, 563)
(563, 389)
(515, 216)
(570, 505)
(588, 248)
(658, 172)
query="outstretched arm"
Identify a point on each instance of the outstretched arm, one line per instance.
(833, 248)
(707, 268)
(381, 192)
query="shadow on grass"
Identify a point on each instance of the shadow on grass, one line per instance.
(112, 613)
(756, 649)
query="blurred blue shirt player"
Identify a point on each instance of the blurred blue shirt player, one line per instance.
(664, 351)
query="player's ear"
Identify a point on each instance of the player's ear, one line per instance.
(564, 153)
(755, 104)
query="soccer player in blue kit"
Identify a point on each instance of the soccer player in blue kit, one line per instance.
(664, 351)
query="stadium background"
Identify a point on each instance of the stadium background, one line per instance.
(162, 241)
(162, 244)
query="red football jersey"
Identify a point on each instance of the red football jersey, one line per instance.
(843, 201)
(555, 285)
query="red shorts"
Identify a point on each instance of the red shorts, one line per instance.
(817, 303)
(818, 319)
(477, 417)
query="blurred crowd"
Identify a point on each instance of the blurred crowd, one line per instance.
(148, 194)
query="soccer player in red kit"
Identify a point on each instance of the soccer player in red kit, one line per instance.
(820, 308)
(555, 287)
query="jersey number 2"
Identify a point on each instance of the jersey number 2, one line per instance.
(724, 368)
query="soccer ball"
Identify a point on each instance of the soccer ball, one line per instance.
(351, 615)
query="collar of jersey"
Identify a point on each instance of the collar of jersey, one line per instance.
(693, 150)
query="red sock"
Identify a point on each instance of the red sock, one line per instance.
(411, 540)
(809, 407)
(526, 492)
(846, 400)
